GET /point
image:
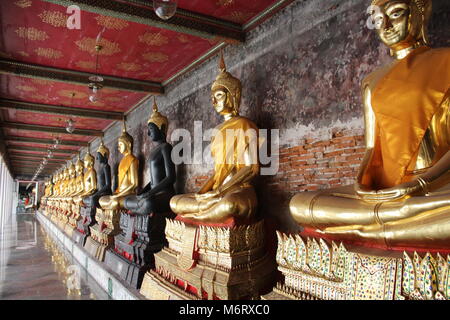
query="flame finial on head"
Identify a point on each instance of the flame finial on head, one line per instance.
(158, 119)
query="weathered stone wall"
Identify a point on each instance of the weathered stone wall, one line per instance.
(301, 73)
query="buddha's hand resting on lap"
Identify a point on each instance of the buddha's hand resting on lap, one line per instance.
(394, 193)
(207, 195)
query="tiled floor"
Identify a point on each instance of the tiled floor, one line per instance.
(30, 274)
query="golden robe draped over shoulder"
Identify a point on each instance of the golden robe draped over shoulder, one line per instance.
(124, 168)
(233, 137)
(404, 101)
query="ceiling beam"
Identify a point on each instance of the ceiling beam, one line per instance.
(32, 166)
(38, 156)
(25, 148)
(184, 21)
(35, 127)
(47, 141)
(59, 110)
(76, 77)
(50, 161)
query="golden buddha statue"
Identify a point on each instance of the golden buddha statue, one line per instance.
(55, 184)
(228, 194)
(64, 190)
(128, 174)
(89, 179)
(79, 179)
(402, 193)
(71, 184)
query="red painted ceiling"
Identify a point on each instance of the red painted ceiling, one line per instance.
(38, 34)
(238, 11)
(35, 32)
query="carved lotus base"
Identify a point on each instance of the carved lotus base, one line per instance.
(210, 263)
(315, 269)
(141, 237)
(102, 234)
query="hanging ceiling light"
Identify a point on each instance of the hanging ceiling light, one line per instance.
(56, 143)
(96, 80)
(165, 9)
(70, 128)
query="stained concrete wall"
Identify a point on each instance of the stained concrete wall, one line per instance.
(301, 72)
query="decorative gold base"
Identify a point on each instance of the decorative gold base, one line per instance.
(96, 249)
(314, 269)
(230, 264)
(103, 233)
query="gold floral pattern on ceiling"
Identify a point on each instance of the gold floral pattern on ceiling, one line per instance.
(154, 39)
(239, 16)
(42, 82)
(183, 39)
(23, 53)
(128, 66)
(113, 99)
(85, 64)
(39, 96)
(48, 53)
(23, 3)
(155, 57)
(111, 22)
(88, 44)
(144, 74)
(224, 3)
(68, 94)
(26, 88)
(54, 18)
(32, 34)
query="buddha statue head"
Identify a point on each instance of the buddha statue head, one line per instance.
(88, 160)
(125, 142)
(402, 23)
(157, 124)
(79, 167)
(71, 171)
(226, 91)
(66, 173)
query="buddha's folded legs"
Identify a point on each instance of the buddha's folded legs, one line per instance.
(106, 202)
(332, 207)
(340, 212)
(240, 203)
(425, 229)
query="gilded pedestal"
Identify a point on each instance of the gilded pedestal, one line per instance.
(200, 262)
(102, 233)
(73, 219)
(87, 220)
(315, 269)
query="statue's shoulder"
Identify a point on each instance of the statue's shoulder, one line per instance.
(246, 122)
(372, 78)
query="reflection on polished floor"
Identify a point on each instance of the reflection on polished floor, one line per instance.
(32, 271)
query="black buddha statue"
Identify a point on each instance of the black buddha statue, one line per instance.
(144, 223)
(103, 178)
(90, 201)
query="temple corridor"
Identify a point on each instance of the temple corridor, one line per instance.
(29, 272)
(219, 155)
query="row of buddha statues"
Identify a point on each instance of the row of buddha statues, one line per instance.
(401, 197)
